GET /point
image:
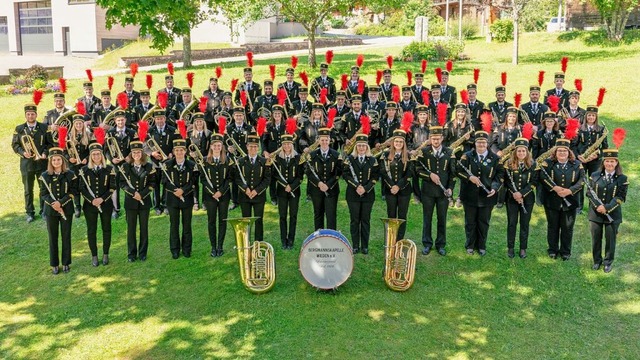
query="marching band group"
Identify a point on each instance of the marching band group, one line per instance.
(237, 148)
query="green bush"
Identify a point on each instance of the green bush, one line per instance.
(433, 50)
(469, 28)
(502, 30)
(337, 23)
(36, 72)
(39, 84)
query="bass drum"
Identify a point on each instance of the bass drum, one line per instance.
(326, 259)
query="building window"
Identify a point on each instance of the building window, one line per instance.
(3, 25)
(35, 17)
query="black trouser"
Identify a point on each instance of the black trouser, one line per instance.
(515, 213)
(234, 193)
(398, 207)
(589, 168)
(28, 179)
(476, 226)
(133, 216)
(115, 197)
(288, 204)
(610, 235)
(55, 223)
(257, 210)
(324, 205)
(272, 189)
(196, 187)
(441, 204)
(91, 214)
(415, 185)
(360, 222)
(159, 195)
(560, 230)
(217, 212)
(175, 242)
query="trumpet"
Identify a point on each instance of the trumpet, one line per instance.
(114, 148)
(29, 146)
(73, 151)
(257, 262)
(235, 144)
(399, 257)
(153, 146)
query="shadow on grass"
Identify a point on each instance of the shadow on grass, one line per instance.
(599, 38)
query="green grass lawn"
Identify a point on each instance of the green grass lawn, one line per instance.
(460, 307)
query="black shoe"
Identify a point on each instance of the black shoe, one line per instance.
(158, 212)
(115, 215)
(384, 198)
(55, 270)
(66, 269)
(175, 255)
(365, 251)
(44, 217)
(442, 252)
(77, 213)
(214, 253)
(105, 259)
(94, 261)
(596, 266)
(566, 257)
(220, 252)
(186, 254)
(131, 259)
(500, 205)
(482, 252)
(166, 211)
(356, 250)
(469, 251)
(30, 218)
(553, 255)
(510, 253)
(233, 206)
(607, 268)
(274, 203)
(426, 250)
(523, 254)
(143, 258)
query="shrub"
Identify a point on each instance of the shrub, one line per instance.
(469, 28)
(433, 50)
(36, 72)
(502, 30)
(39, 84)
(337, 23)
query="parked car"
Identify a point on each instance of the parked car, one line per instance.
(554, 25)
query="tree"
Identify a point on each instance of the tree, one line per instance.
(241, 13)
(516, 8)
(162, 20)
(615, 14)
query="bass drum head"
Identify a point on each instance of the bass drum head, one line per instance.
(326, 259)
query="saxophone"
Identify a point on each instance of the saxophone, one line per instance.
(596, 144)
(306, 156)
(456, 145)
(257, 262)
(418, 150)
(544, 156)
(399, 257)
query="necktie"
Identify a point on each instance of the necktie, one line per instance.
(138, 169)
(535, 108)
(481, 157)
(180, 167)
(437, 154)
(521, 167)
(472, 104)
(216, 160)
(397, 157)
(31, 128)
(287, 160)
(609, 179)
(558, 92)
(324, 155)
(361, 160)
(253, 161)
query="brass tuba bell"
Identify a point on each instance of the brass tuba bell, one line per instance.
(399, 257)
(257, 261)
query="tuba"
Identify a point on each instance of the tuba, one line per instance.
(399, 257)
(257, 262)
(187, 109)
(148, 116)
(62, 120)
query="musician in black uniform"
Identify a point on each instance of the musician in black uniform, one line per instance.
(90, 101)
(545, 138)
(184, 109)
(591, 133)
(372, 105)
(58, 187)
(138, 182)
(521, 179)
(354, 84)
(252, 175)
(458, 128)
(198, 136)
(238, 130)
(324, 82)
(406, 103)
(360, 171)
(288, 173)
(292, 88)
(216, 181)
(31, 164)
(573, 111)
(163, 135)
(503, 136)
(340, 104)
(418, 88)
(396, 171)
(475, 106)
(352, 119)
(271, 141)
(499, 107)
(435, 99)
(448, 92)
(225, 109)
(214, 98)
(78, 139)
(59, 108)
(174, 95)
(610, 187)
(252, 90)
(562, 175)
(482, 177)
(123, 136)
(389, 123)
(101, 111)
(178, 183)
(386, 88)
(435, 165)
(533, 110)
(417, 137)
(264, 103)
(143, 107)
(97, 181)
(302, 107)
(133, 98)
(323, 170)
(558, 90)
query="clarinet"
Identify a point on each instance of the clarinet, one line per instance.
(81, 173)
(313, 171)
(444, 190)
(594, 196)
(515, 190)
(163, 167)
(553, 183)
(353, 172)
(126, 179)
(275, 166)
(53, 197)
(469, 173)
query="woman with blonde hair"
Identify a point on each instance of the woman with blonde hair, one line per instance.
(78, 138)
(396, 172)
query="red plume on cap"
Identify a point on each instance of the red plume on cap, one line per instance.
(540, 77)
(554, 103)
(407, 121)
(261, 126)
(425, 97)
(218, 72)
(123, 100)
(100, 134)
(190, 76)
(80, 108)
(365, 123)
(182, 128)
(464, 95)
(486, 120)
(517, 99)
(476, 76)
(243, 98)
(37, 96)
(134, 69)
(89, 75)
(170, 68)
(601, 93)
(110, 82)
(390, 61)
(249, 59)
(442, 110)
(305, 78)
(234, 85)
(323, 95)
(328, 57)
(527, 130)
(294, 61)
(503, 78)
(449, 65)
(619, 134)
(203, 104)
(282, 96)
(331, 115)
(149, 81)
(359, 60)
(409, 77)
(578, 84)
(163, 99)
(563, 64)
(272, 71)
(291, 126)
(378, 76)
(63, 85)
(344, 80)
(571, 131)
(62, 137)
(143, 129)
(222, 125)
(395, 93)
(360, 86)
(439, 74)
(423, 66)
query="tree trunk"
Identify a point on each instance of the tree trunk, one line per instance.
(186, 51)
(312, 46)
(516, 37)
